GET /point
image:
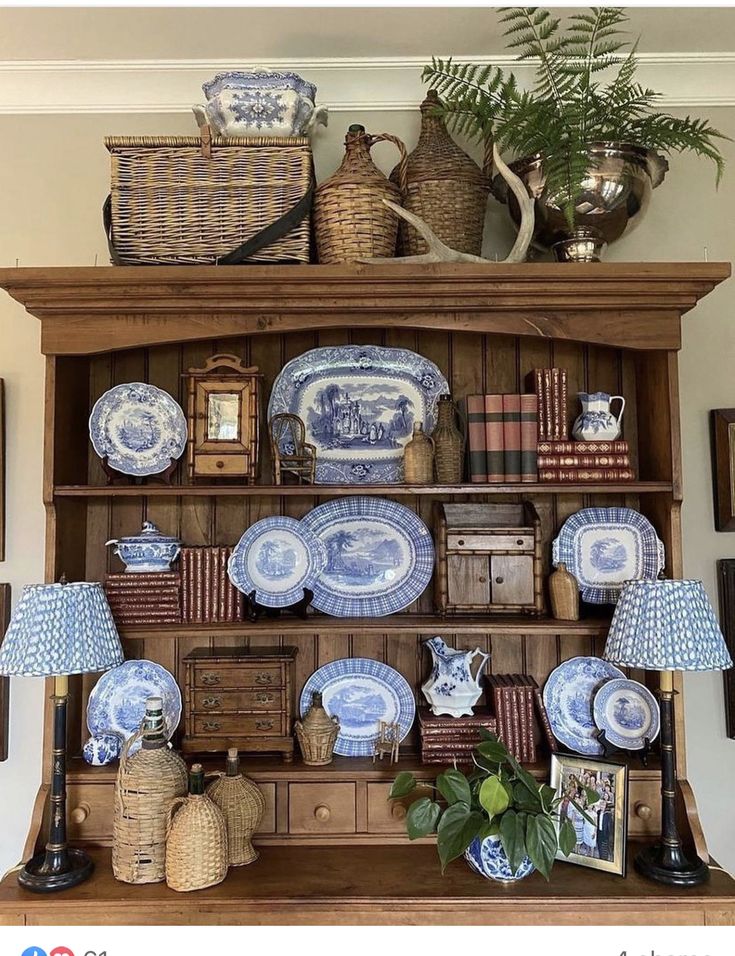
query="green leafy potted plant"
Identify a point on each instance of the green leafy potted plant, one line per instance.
(500, 818)
(586, 148)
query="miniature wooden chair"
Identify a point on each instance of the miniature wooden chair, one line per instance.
(292, 454)
(388, 742)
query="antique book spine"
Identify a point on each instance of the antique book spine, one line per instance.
(544, 720)
(515, 716)
(520, 705)
(197, 617)
(512, 437)
(505, 720)
(563, 411)
(548, 410)
(584, 461)
(223, 585)
(469, 745)
(477, 451)
(152, 577)
(586, 474)
(555, 404)
(192, 584)
(184, 565)
(137, 604)
(456, 723)
(494, 439)
(129, 620)
(535, 384)
(527, 700)
(529, 437)
(209, 591)
(619, 447)
(498, 707)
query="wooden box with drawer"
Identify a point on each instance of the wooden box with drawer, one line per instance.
(488, 559)
(238, 698)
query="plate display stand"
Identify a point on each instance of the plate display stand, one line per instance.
(610, 750)
(118, 477)
(254, 611)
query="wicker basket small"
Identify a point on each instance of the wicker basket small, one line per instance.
(444, 186)
(351, 221)
(196, 847)
(242, 805)
(317, 734)
(418, 458)
(448, 443)
(147, 782)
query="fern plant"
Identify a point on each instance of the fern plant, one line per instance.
(584, 91)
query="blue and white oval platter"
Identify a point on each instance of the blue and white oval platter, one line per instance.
(568, 696)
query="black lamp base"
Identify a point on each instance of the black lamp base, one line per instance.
(672, 868)
(38, 877)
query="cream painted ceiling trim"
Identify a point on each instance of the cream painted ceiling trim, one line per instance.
(346, 85)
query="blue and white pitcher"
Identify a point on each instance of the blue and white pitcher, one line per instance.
(452, 688)
(596, 421)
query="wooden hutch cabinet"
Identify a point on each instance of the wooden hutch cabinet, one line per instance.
(332, 849)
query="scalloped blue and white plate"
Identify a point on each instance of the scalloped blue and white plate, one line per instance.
(139, 428)
(568, 696)
(605, 547)
(117, 701)
(628, 713)
(380, 556)
(361, 692)
(277, 558)
(359, 404)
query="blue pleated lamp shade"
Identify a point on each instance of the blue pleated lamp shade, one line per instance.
(666, 626)
(60, 629)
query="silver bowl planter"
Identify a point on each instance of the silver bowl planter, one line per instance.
(613, 199)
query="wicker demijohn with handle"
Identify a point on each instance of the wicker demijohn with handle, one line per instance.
(317, 733)
(196, 848)
(351, 221)
(448, 443)
(418, 458)
(242, 805)
(147, 782)
(446, 188)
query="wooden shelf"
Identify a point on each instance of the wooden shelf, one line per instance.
(319, 491)
(391, 624)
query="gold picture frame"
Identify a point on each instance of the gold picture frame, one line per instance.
(602, 829)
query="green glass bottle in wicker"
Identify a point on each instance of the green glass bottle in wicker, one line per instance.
(196, 847)
(242, 804)
(448, 443)
(147, 781)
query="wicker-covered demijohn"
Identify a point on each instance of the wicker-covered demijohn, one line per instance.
(418, 457)
(317, 733)
(147, 781)
(444, 186)
(242, 804)
(196, 847)
(448, 443)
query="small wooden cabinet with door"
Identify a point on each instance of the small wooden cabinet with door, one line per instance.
(488, 559)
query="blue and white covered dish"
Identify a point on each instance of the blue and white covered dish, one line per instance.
(149, 551)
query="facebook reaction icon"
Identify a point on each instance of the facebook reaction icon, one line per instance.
(34, 951)
(61, 951)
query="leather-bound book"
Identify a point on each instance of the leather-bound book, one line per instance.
(617, 447)
(544, 720)
(476, 438)
(495, 438)
(573, 475)
(520, 704)
(583, 461)
(535, 384)
(529, 437)
(512, 437)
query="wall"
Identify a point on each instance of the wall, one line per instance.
(53, 178)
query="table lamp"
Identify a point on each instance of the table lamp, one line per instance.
(58, 630)
(667, 626)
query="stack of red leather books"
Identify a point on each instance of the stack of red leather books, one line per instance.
(449, 739)
(207, 596)
(579, 461)
(144, 598)
(521, 714)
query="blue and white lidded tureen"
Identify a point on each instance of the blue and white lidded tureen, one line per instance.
(260, 102)
(148, 551)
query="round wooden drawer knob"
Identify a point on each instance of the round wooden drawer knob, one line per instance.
(499, 580)
(322, 813)
(398, 811)
(643, 811)
(482, 579)
(220, 464)
(79, 814)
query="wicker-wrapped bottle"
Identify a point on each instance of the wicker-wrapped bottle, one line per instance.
(317, 733)
(351, 222)
(196, 846)
(242, 804)
(147, 782)
(444, 186)
(418, 458)
(448, 443)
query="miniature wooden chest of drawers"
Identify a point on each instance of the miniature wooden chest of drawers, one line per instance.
(239, 698)
(488, 559)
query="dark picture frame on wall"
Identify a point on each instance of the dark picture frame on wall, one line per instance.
(722, 422)
(2, 470)
(726, 588)
(4, 681)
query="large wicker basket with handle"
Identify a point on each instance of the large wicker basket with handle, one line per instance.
(183, 200)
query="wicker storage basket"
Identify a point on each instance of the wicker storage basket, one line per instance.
(196, 846)
(242, 804)
(444, 186)
(177, 200)
(146, 784)
(351, 222)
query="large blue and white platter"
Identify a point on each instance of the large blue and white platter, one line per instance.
(380, 556)
(277, 558)
(361, 692)
(605, 547)
(117, 701)
(568, 696)
(628, 713)
(139, 428)
(359, 404)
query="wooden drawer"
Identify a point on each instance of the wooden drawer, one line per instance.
(221, 465)
(389, 816)
(238, 725)
(321, 808)
(242, 676)
(644, 807)
(237, 701)
(490, 542)
(89, 812)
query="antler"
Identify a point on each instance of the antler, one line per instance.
(441, 252)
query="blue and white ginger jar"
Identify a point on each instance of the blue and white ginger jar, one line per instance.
(487, 857)
(147, 552)
(101, 749)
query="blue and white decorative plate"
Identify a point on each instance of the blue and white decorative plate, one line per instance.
(277, 558)
(361, 692)
(604, 547)
(568, 696)
(380, 556)
(139, 428)
(359, 404)
(628, 713)
(117, 701)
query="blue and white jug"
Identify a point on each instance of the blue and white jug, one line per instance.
(452, 688)
(596, 421)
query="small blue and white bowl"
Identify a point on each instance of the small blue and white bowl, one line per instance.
(487, 857)
(102, 749)
(147, 552)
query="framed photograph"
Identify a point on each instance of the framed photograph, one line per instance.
(722, 421)
(601, 825)
(4, 681)
(726, 588)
